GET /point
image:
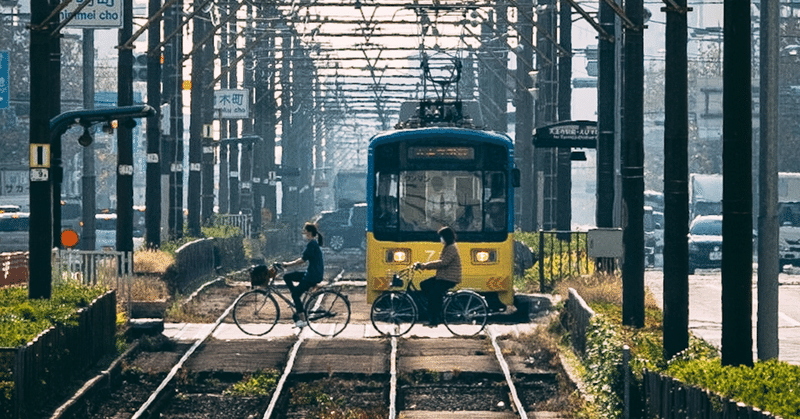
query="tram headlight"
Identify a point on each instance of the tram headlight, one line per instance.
(398, 255)
(484, 256)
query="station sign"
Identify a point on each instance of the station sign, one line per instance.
(232, 103)
(567, 134)
(98, 14)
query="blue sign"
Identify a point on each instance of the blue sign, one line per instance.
(5, 96)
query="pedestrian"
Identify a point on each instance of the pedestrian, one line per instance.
(448, 274)
(299, 282)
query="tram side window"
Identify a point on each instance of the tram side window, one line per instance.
(386, 200)
(495, 201)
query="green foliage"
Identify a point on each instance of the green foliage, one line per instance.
(771, 385)
(562, 258)
(261, 383)
(22, 319)
(603, 361)
(221, 231)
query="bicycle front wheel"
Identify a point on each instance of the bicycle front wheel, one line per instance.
(327, 312)
(465, 313)
(256, 312)
(393, 313)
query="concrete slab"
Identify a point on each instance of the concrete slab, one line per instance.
(424, 414)
(240, 355)
(356, 356)
(446, 355)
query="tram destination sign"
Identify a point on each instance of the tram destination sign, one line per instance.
(581, 134)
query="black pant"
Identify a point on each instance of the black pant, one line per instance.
(298, 290)
(435, 289)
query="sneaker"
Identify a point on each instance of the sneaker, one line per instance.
(299, 320)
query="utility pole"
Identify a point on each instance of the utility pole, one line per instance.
(153, 208)
(768, 227)
(196, 129)
(224, 188)
(606, 122)
(207, 112)
(233, 125)
(564, 172)
(88, 180)
(523, 126)
(737, 193)
(173, 84)
(633, 168)
(125, 135)
(676, 189)
(545, 163)
(57, 170)
(41, 192)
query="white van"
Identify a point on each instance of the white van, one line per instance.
(14, 235)
(105, 226)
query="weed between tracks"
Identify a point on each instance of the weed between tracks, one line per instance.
(336, 398)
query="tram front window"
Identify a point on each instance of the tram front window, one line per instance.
(423, 201)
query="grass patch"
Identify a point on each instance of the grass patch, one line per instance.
(260, 383)
(22, 319)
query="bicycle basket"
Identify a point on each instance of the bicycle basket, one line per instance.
(261, 274)
(402, 276)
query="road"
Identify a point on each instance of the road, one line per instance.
(705, 308)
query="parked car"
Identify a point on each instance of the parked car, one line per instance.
(14, 235)
(105, 228)
(705, 243)
(344, 228)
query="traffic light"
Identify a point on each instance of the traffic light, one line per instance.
(140, 67)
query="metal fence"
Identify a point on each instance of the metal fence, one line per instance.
(668, 398)
(561, 255)
(243, 221)
(92, 267)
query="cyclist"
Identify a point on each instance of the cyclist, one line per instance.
(448, 274)
(306, 279)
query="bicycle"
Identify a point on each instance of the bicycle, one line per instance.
(257, 311)
(394, 313)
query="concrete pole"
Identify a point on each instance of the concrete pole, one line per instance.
(768, 228)
(676, 189)
(737, 193)
(88, 179)
(632, 150)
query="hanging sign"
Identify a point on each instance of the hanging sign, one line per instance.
(567, 134)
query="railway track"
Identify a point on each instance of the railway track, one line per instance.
(180, 377)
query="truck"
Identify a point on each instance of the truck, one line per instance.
(705, 194)
(789, 219)
(350, 188)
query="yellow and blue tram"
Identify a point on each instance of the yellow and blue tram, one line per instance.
(424, 178)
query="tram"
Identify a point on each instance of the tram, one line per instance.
(439, 170)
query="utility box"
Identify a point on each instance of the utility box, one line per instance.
(605, 242)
